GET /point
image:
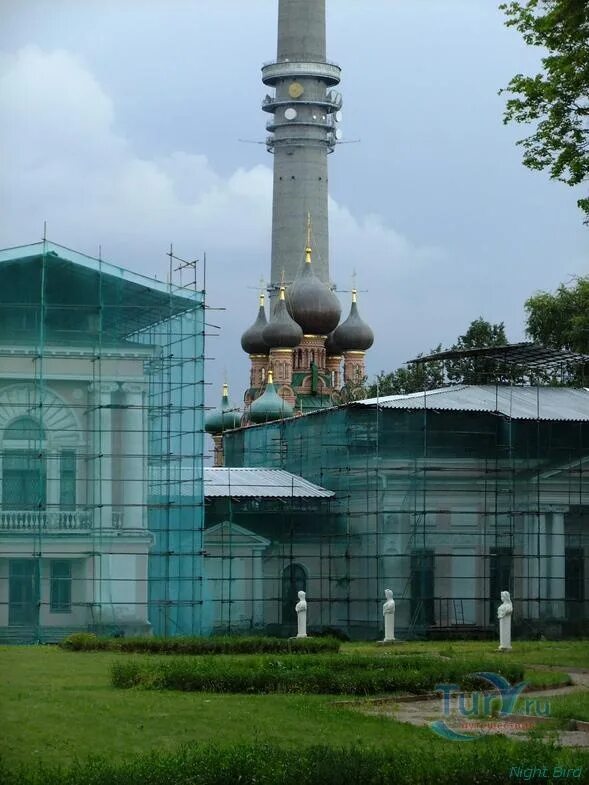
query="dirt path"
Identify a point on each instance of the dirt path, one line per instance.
(423, 712)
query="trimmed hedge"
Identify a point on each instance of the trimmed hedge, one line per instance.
(328, 674)
(487, 761)
(88, 641)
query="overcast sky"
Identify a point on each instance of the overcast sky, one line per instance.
(121, 121)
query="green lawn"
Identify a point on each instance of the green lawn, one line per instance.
(58, 705)
(574, 706)
(563, 654)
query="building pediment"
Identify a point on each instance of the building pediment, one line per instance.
(227, 534)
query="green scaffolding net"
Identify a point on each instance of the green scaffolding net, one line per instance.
(101, 400)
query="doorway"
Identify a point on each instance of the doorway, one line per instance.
(294, 580)
(23, 592)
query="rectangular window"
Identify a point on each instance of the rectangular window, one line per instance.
(422, 587)
(61, 587)
(67, 480)
(574, 583)
(23, 480)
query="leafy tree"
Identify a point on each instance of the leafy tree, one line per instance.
(557, 99)
(437, 373)
(561, 320)
(478, 370)
(408, 379)
(353, 391)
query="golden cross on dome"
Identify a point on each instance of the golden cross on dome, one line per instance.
(262, 289)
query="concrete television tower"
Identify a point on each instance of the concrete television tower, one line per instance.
(303, 131)
(297, 355)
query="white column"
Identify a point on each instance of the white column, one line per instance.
(556, 546)
(531, 561)
(258, 589)
(101, 401)
(543, 565)
(134, 460)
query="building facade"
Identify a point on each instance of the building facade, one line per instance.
(254, 518)
(84, 422)
(448, 498)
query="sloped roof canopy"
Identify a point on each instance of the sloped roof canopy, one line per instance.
(80, 297)
(259, 483)
(517, 403)
(525, 354)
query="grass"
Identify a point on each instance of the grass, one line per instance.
(57, 706)
(487, 762)
(574, 706)
(542, 680)
(562, 654)
(87, 641)
(324, 674)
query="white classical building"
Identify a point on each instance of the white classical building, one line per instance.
(79, 373)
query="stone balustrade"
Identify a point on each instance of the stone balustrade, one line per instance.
(43, 520)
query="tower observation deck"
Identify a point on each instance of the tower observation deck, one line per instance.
(302, 131)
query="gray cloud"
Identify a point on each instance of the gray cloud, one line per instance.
(124, 127)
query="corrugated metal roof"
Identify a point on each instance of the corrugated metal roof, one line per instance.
(526, 354)
(270, 483)
(519, 403)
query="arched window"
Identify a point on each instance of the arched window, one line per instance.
(294, 580)
(24, 429)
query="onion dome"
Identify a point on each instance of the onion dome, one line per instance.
(269, 406)
(311, 302)
(282, 332)
(331, 346)
(224, 417)
(252, 341)
(354, 334)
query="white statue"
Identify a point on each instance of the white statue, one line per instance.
(301, 609)
(504, 612)
(388, 611)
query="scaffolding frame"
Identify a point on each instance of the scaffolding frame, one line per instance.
(96, 532)
(446, 508)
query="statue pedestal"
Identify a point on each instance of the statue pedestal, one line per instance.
(389, 643)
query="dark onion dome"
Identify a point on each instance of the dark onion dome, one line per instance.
(252, 341)
(331, 345)
(224, 417)
(311, 303)
(354, 335)
(269, 406)
(282, 332)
